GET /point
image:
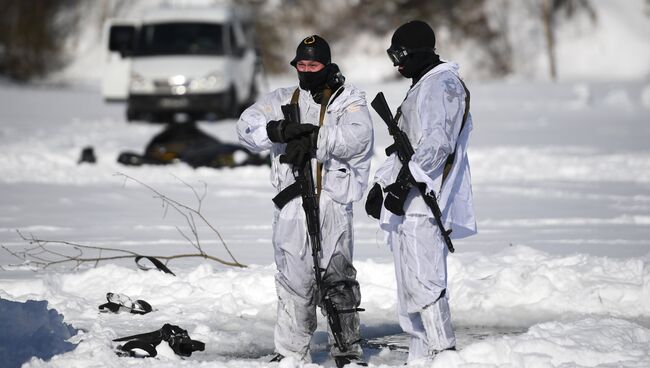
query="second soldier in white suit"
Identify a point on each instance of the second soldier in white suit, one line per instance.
(435, 117)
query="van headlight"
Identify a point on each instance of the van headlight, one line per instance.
(212, 82)
(140, 84)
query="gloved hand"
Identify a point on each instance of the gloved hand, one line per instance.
(335, 78)
(396, 193)
(374, 201)
(396, 196)
(298, 151)
(282, 131)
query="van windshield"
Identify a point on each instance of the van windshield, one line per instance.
(180, 39)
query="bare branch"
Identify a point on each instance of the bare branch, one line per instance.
(185, 210)
(43, 254)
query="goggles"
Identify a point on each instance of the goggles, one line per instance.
(397, 54)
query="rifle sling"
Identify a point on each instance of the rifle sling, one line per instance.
(450, 159)
(327, 93)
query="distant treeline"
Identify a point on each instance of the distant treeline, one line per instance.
(482, 23)
(33, 33)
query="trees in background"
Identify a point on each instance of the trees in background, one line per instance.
(33, 33)
(549, 12)
(32, 36)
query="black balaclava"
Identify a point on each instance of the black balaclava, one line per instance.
(416, 35)
(315, 48)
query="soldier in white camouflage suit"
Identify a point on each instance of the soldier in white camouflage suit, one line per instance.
(340, 147)
(435, 117)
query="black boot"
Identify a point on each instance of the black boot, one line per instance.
(278, 357)
(343, 360)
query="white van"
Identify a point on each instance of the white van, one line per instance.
(197, 63)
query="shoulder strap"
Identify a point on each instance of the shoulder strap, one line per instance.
(327, 93)
(295, 96)
(450, 159)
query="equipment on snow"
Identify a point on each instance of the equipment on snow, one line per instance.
(402, 146)
(159, 265)
(187, 143)
(177, 338)
(87, 155)
(122, 303)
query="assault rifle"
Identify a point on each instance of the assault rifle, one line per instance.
(404, 150)
(305, 181)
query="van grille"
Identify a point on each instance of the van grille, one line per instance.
(162, 86)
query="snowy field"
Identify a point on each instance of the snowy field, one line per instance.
(558, 276)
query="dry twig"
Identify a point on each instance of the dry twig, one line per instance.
(44, 253)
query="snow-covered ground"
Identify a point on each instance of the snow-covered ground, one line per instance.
(558, 276)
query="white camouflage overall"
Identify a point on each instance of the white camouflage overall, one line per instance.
(345, 143)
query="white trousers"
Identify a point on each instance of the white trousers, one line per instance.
(295, 281)
(420, 256)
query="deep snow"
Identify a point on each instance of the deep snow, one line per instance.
(31, 329)
(561, 261)
(558, 276)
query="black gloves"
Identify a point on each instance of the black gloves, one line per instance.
(396, 193)
(374, 201)
(301, 149)
(335, 78)
(282, 131)
(298, 151)
(396, 196)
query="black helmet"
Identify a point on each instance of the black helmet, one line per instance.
(412, 37)
(313, 48)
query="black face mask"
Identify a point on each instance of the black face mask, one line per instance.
(314, 81)
(415, 63)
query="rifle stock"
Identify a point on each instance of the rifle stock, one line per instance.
(383, 110)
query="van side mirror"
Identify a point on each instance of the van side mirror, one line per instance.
(122, 39)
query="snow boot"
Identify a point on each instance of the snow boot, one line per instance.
(277, 358)
(344, 360)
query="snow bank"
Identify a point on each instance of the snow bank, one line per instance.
(517, 164)
(30, 329)
(596, 303)
(583, 343)
(522, 286)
